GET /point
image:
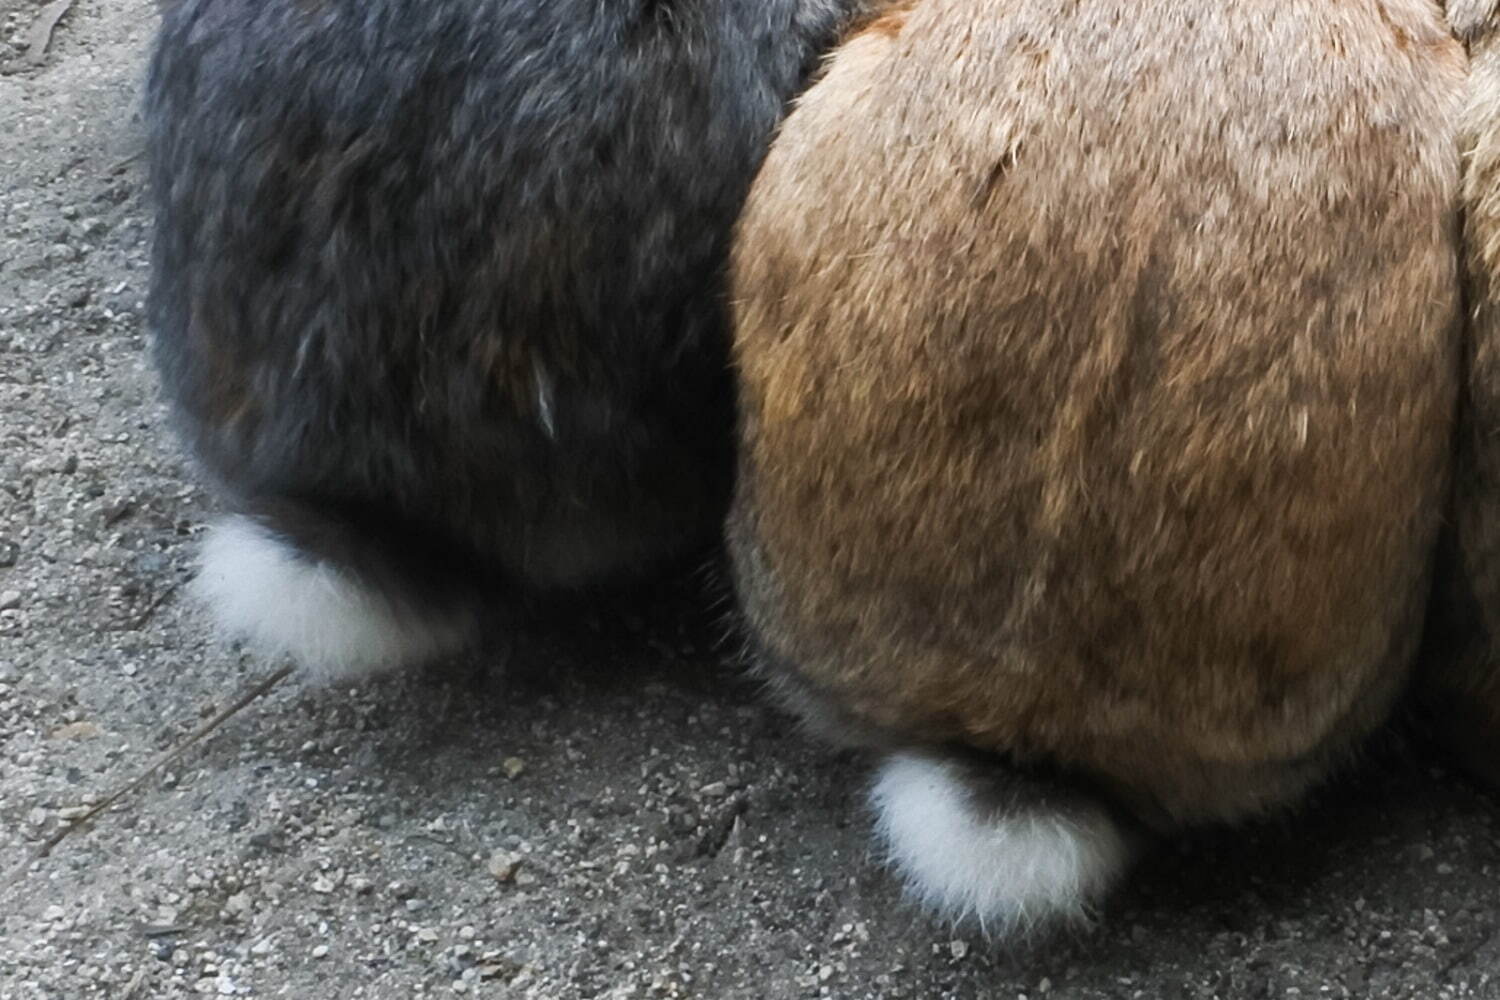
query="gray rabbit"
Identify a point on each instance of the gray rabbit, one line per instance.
(437, 295)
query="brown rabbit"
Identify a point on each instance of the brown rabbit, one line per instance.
(1098, 365)
(1462, 681)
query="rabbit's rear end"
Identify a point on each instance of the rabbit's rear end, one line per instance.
(437, 294)
(1099, 365)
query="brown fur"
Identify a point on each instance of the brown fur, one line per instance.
(1098, 368)
(1462, 665)
(886, 19)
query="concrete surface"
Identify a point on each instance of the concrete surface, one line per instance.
(600, 808)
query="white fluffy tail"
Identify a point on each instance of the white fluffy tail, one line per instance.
(283, 602)
(1016, 864)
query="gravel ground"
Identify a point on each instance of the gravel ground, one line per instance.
(600, 807)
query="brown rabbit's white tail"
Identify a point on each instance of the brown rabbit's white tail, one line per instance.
(987, 844)
(336, 625)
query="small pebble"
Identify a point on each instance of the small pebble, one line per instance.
(503, 864)
(10, 599)
(76, 731)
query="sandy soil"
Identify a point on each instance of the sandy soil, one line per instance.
(602, 808)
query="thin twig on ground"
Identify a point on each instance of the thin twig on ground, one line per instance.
(141, 620)
(257, 690)
(39, 37)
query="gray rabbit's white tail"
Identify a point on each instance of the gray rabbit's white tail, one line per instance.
(983, 843)
(334, 623)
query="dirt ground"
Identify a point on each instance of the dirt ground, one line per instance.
(600, 807)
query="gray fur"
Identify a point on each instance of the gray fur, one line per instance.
(437, 285)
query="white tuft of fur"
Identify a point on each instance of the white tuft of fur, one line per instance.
(262, 589)
(1013, 872)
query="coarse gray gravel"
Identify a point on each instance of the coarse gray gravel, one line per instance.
(598, 807)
